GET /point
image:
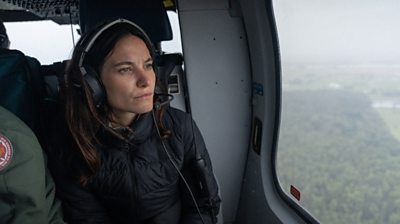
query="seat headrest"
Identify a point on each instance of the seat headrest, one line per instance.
(149, 14)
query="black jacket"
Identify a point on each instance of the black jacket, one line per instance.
(137, 182)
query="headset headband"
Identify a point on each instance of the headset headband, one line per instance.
(90, 44)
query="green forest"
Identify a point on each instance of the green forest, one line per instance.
(341, 153)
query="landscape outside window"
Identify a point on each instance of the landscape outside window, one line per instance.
(339, 140)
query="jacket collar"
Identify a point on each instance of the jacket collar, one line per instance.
(138, 132)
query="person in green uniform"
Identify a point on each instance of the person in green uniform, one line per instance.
(27, 191)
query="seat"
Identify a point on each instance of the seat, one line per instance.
(158, 27)
(171, 75)
(21, 86)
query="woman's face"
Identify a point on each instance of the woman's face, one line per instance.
(129, 79)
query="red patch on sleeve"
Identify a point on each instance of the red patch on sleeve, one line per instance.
(6, 152)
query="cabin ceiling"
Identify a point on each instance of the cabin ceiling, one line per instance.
(60, 11)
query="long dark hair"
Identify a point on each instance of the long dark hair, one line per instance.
(83, 118)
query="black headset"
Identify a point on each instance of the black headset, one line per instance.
(89, 74)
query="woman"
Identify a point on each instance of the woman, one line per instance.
(123, 160)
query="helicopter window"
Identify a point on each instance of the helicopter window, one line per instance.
(339, 137)
(45, 40)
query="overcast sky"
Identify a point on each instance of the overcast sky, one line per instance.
(359, 31)
(44, 40)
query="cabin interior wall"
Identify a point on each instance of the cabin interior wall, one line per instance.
(260, 202)
(218, 72)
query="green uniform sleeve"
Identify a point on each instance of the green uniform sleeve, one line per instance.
(26, 188)
(53, 205)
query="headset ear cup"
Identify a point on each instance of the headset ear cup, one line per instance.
(92, 80)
